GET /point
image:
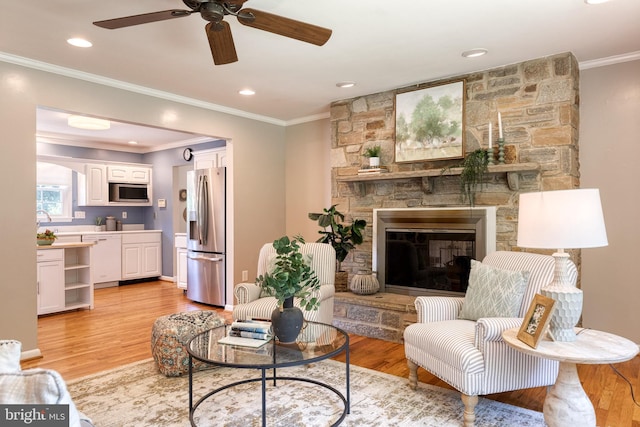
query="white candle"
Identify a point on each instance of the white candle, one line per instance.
(489, 135)
(499, 125)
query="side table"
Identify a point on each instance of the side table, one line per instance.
(566, 403)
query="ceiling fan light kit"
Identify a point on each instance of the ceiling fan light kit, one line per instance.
(218, 31)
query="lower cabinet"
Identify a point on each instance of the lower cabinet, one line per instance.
(64, 279)
(141, 255)
(181, 261)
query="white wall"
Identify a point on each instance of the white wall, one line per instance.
(609, 153)
(258, 172)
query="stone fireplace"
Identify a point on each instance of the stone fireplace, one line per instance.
(428, 251)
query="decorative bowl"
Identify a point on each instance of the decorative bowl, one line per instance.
(45, 242)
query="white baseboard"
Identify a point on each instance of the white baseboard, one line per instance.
(31, 354)
(168, 279)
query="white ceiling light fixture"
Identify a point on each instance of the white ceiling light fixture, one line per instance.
(345, 85)
(474, 53)
(133, 142)
(595, 1)
(79, 42)
(89, 123)
(247, 92)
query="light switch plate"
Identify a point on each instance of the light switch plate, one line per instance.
(79, 214)
(162, 203)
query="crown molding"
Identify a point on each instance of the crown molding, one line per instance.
(611, 60)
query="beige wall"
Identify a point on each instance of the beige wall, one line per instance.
(308, 176)
(257, 169)
(609, 150)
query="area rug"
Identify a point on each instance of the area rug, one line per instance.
(138, 395)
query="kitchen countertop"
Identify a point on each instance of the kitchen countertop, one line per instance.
(77, 233)
(66, 245)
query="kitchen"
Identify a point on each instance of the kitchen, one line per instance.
(128, 200)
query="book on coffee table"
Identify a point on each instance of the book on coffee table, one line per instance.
(242, 341)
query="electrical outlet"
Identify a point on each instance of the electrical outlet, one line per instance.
(245, 275)
(124, 215)
(79, 214)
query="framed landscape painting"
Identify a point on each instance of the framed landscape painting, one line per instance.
(430, 123)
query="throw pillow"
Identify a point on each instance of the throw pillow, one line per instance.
(10, 356)
(493, 292)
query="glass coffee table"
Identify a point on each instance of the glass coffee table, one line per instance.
(316, 342)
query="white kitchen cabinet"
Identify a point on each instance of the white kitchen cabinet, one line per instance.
(64, 278)
(141, 255)
(50, 276)
(181, 261)
(214, 158)
(93, 189)
(128, 173)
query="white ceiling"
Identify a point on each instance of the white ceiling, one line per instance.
(379, 44)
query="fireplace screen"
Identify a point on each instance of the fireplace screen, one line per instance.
(429, 259)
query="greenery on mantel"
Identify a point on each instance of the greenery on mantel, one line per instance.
(474, 166)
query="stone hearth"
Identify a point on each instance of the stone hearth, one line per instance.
(381, 315)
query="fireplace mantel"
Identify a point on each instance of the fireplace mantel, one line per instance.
(512, 170)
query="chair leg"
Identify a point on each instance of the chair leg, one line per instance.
(413, 374)
(470, 403)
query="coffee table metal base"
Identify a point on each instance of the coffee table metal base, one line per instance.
(263, 380)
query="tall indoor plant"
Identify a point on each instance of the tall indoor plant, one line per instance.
(342, 237)
(290, 275)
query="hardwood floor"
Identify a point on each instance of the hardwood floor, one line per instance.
(118, 332)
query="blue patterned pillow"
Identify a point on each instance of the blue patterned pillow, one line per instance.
(493, 292)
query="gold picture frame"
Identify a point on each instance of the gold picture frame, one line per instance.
(429, 123)
(537, 320)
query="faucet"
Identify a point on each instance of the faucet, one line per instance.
(38, 221)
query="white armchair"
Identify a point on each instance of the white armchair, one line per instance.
(250, 303)
(471, 355)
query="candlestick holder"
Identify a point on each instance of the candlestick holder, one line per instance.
(490, 156)
(500, 150)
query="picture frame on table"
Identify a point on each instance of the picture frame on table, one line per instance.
(429, 123)
(536, 321)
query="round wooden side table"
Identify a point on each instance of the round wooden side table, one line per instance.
(566, 403)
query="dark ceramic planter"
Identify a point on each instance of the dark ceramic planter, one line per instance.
(288, 322)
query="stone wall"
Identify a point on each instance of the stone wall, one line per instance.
(539, 104)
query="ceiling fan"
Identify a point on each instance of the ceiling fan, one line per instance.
(218, 31)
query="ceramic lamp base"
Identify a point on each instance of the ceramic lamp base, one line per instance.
(568, 308)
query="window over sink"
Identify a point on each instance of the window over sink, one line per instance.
(53, 192)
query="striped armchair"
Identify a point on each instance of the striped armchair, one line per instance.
(250, 304)
(470, 355)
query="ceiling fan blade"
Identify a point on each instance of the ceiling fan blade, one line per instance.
(284, 26)
(221, 43)
(145, 18)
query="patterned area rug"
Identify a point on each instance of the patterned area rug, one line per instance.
(138, 395)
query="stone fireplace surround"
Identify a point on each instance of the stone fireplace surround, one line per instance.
(539, 103)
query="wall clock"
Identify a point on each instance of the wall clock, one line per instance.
(187, 154)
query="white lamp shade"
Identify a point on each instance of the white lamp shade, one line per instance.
(561, 219)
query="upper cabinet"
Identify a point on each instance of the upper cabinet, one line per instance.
(93, 189)
(129, 174)
(205, 159)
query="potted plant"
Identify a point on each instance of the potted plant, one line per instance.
(290, 276)
(45, 239)
(342, 237)
(373, 153)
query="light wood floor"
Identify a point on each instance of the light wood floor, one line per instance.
(118, 332)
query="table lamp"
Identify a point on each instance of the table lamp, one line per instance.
(563, 219)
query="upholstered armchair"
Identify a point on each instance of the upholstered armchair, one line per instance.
(250, 303)
(459, 339)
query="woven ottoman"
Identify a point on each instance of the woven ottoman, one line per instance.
(169, 337)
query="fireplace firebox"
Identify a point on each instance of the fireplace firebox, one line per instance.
(429, 251)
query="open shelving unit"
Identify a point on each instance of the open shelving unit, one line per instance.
(78, 284)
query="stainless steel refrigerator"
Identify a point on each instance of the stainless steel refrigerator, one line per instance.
(206, 236)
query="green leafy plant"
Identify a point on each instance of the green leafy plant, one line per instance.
(342, 237)
(291, 275)
(47, 235)
(474, 166)
(374, 151)
(98, 220)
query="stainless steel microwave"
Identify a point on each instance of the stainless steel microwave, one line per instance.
(130, 193)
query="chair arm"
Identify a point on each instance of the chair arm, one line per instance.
(491, 328)
(325, 291)
(246, 292)
(435, 309)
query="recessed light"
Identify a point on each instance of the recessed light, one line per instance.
(78, 42)
(595, 1)
(346, 84)
(474, 53)
(133, 142)
(89, 123)
(247, 92)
